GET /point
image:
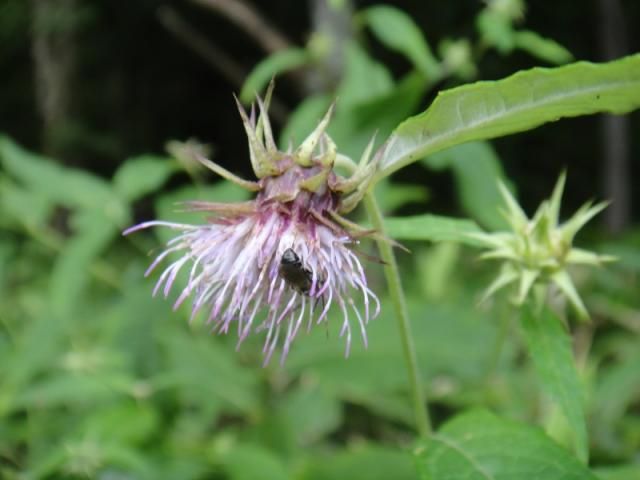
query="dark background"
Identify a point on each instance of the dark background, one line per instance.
(133, 86)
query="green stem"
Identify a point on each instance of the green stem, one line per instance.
(423, 423)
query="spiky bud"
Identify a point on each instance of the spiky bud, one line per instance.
(536, 252)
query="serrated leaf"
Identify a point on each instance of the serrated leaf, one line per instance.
(549, 345)
(523, 101)
(432, 228)
(397, 30)
(481, 446)
(142, 175)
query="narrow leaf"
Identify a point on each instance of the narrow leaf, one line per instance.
(397, 30)
(432, 228)
(520, 102)
(542, 48)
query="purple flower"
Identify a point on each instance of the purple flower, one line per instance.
(280, 262)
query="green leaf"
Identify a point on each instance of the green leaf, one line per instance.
(520, 102)
(432, 228)
(454, 342)
(71, 270)
(363, 462)
(617, 389)
(477, 168)
(142, 175)
(250, 462)
(303, 120)
(311, 412)
(496, 30)
(69, 390)
(206, 373)
(364, 78)
(619, 472)
(354, 125)
(550, 347)
(542, 48)
(392, 196)
(67, 186)
(25, 207)
(397, 30)
(37, 348)
(480, 446)
(268, 68)
(125, 422)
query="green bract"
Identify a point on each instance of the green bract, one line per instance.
(537, 251)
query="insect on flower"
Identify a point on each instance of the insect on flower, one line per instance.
(262, 265)
(294, 273)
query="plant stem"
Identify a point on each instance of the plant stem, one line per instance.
(423, 423)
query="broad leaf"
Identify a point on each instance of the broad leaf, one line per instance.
(432, 228)
(550, 347)
(453, 341)
(480, 446)
(520, 102)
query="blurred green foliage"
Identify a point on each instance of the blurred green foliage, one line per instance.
(100, 380)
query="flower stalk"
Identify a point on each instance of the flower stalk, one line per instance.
(392, 276)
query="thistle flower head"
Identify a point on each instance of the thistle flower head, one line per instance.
(281, 261)
(537, 251)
